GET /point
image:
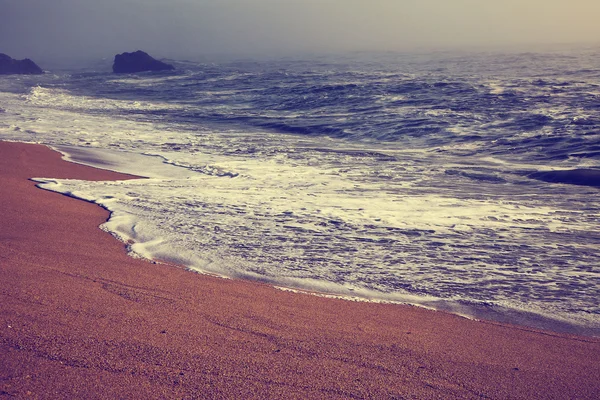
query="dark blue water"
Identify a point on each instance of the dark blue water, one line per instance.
(526, 106)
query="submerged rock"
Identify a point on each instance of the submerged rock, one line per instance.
(9, 65)
(138, 61)
(584, 177)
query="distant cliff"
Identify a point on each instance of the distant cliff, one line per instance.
(138, 62)
(9, 66)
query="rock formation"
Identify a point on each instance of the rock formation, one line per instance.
(9, 65)
(138, 61)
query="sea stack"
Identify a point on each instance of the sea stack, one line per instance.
(139, 61)
(9, 66)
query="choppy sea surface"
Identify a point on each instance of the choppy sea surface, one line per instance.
(428, 179)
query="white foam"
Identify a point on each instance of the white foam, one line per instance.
(62, 99)
(198, 219)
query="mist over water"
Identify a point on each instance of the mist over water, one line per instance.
(395, 176)
(62, 32)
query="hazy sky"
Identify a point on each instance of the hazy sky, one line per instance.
(48, 29)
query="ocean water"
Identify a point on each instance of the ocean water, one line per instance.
(411, 178)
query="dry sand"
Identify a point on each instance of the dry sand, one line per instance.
(81, 319)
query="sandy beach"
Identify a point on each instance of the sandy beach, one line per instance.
(81, 319)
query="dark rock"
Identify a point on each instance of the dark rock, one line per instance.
(9, 65)
(584, 177)
(138, 61)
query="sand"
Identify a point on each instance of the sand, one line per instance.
(81, 319)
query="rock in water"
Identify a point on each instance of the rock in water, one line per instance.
(584, 177)
(138, 61)
(9, 65)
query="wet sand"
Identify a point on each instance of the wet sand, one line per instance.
(81, 319)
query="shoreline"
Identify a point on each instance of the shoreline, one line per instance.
(80, 318)
(470, 310)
